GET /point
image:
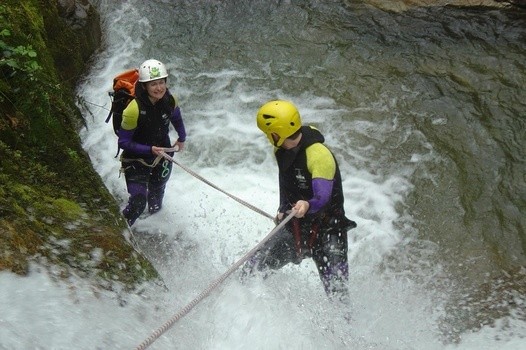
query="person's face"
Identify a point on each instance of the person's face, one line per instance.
(288, 143)
(156, 89)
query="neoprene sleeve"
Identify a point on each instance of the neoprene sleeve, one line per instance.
(177, 122)
(126, 143)
(322, 191)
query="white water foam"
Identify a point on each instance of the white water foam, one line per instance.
(201, 232)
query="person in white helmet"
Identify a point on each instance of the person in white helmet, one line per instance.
(144, 134)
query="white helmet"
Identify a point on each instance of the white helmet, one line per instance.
(152, 70)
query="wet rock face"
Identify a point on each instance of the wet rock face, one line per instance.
(66, 7)
(75, 12)
(403, 5)
(518, 3)
(74, 34)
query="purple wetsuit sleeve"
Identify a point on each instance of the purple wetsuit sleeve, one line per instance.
(322, 191)
(177, 122)
(126, 143)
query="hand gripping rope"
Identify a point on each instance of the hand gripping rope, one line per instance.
(213, 285)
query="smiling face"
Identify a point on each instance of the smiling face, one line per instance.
(156, 89)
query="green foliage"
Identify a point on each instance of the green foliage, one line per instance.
(19, 59)
(20, 68)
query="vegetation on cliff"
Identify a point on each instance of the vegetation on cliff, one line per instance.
(54, 208)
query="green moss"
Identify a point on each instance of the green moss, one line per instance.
(17, 244)
(70, 210)
(23, 193)
(54, 208)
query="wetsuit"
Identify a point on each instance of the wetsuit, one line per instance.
(310, 172)
(145, 125)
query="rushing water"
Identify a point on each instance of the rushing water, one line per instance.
(425, 111)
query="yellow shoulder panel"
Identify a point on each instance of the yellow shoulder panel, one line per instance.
(320, 162)
(130, 115)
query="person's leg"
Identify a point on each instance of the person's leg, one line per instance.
(330, 257)
(157, 185)
(136, 181)
(276, 253)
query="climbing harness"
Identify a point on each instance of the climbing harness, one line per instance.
(156, 334)
(302, 247)
(142, 161)
(138, 160)
(257, 210)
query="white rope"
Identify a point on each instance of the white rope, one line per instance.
(211, 184)
(155, 335)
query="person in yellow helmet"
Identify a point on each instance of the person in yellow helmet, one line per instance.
(310, 182)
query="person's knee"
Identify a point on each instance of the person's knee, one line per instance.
(155, 199)
(135, 207)
(336, 244)
(138, 202)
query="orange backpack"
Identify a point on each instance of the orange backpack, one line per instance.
(123, 93)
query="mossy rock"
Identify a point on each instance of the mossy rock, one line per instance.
(54, 207)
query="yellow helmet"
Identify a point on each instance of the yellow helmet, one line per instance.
(278, 117)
